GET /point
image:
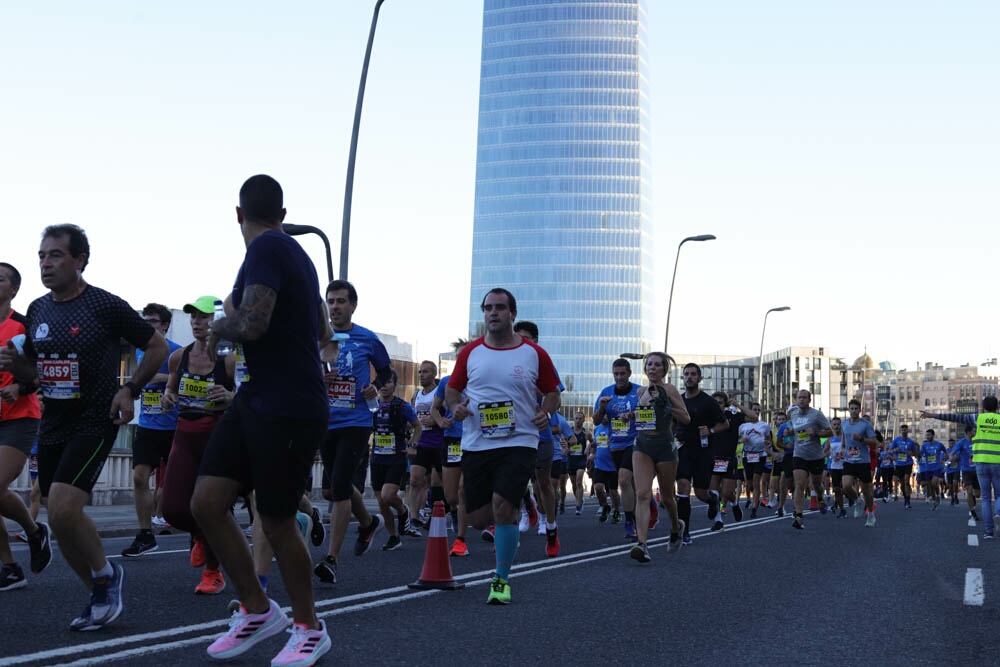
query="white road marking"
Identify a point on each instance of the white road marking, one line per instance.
(972, 522)
(367, 600)
(975, 592)
(973, 540)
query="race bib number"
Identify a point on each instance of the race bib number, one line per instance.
(753, 457)
(193, 393)
(455, 452)
(602, 440)
(385, 444)
(241, 374)
(59, 378)
(839, 456)
(496, 420)
(151, 403)
(619, 428)
(901, 457)
(576, 450)
(802, 436)
(645, 420)
(342, 391)
(853, 454)
(721, 466)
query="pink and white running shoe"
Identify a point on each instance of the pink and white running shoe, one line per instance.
(247, 630)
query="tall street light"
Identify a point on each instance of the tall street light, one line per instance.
(760, 358)
(299, 230)
(670, 303)
(345, 234)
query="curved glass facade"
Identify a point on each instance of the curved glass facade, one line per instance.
(562, 215)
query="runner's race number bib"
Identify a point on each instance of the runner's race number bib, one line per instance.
(193, 393)
(59, 378)
(721, 466)
(619, 428)
(151, 403)
(342, 391)
(454, 452)
(385, 444)
(496, 420)
(753, 457)
(645, 420)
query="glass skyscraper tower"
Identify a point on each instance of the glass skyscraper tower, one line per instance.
(562, 213)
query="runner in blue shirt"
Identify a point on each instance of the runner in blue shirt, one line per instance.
(903, 449)
(452, 466)
(605, 474)
(932, 456)
(545, 492)
(887, 466)
(350, 390)
(970, 480)
(154, 435)
(615, 407)
(952, 474)
(858, 435)
(560, 457)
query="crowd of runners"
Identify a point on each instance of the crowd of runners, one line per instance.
(220, 422)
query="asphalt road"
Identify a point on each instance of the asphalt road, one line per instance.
(757, 593)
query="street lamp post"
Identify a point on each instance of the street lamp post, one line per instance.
(299, 230)
(345, 234)
(670, 303)
(760, 358)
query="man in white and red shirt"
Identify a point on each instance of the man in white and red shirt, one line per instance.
(493, 391)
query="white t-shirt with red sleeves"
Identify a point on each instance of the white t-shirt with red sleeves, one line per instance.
(502, 386)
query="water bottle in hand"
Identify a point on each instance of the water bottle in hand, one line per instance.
(223, 347)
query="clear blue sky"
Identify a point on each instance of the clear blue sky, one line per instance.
(844, 154)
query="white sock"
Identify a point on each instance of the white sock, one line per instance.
(106, 571)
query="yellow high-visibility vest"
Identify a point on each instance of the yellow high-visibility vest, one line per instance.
(986, 443)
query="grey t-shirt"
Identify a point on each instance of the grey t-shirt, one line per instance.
(806, 447)
(855, 451)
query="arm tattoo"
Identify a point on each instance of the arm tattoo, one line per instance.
(252, 318)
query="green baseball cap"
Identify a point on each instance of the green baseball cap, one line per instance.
(203, 304)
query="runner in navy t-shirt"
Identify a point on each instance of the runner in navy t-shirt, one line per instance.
(267, 439)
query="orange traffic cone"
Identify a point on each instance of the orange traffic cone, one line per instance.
(437, 567)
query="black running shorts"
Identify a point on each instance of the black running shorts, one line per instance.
(504, 471)
(344, 451)
(151, 447)
(267, 454)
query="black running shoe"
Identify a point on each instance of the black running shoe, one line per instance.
(675, 539)
(318, 533)
(713, 506)
(41, 548)
(392, 543)
(640, 553)
(326, 570)
(12, 577)
(737, 512)
(365, 535)
(143, 543)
